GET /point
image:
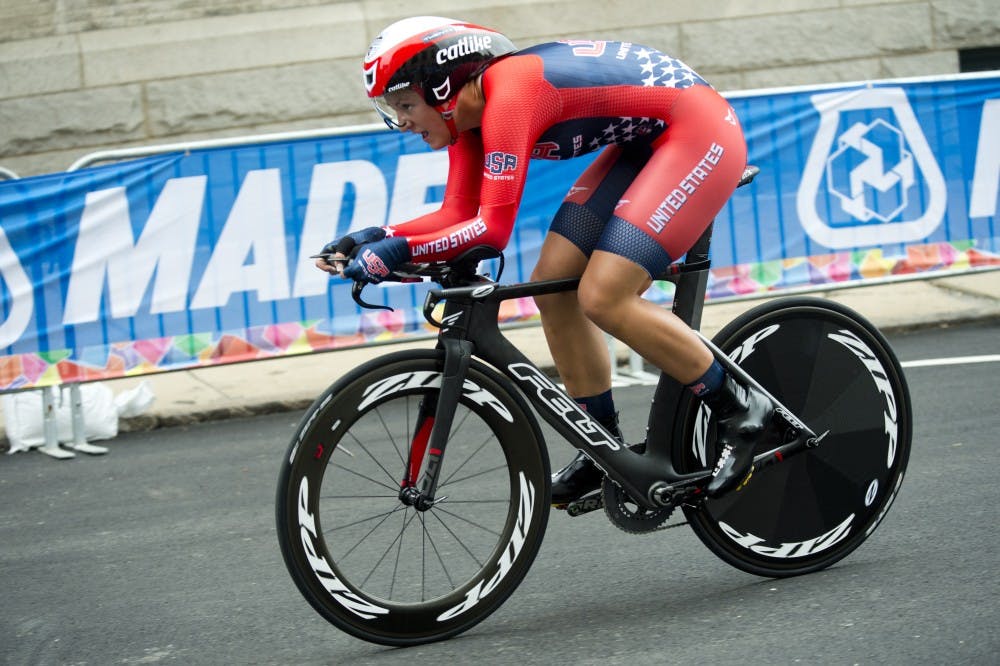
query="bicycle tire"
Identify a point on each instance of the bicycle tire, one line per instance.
(379, 569)
(833, 369)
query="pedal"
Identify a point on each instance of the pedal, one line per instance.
(592, 501)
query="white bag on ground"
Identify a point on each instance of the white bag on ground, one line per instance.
(134, 401)
(101, 409)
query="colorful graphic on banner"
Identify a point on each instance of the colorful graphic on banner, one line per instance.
(185, 260)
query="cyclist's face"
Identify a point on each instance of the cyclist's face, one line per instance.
(416, 116)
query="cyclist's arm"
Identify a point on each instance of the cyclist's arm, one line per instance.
(461, 192)
(509, 129)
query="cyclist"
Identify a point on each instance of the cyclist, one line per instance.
(672, 154)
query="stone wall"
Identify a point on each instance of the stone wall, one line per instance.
(77, 76)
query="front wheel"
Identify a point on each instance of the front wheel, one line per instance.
(377, 567)
(835, 371)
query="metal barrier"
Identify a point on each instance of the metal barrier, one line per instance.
(187, 146)
(49, 425)
(79, 443)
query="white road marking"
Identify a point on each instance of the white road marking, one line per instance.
(954, 360)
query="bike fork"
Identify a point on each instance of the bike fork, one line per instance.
(431, 435)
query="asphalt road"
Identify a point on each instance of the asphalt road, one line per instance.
(164, 551)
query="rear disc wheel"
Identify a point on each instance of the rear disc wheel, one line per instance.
(835, 371)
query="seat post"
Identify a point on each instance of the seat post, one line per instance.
(689, 296)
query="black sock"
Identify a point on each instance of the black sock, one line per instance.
(708, 383)
(601, 407)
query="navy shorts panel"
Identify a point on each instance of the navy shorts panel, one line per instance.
(579, 224)
(623, 238)
(582, 221)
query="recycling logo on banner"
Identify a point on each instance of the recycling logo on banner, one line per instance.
(870, 178)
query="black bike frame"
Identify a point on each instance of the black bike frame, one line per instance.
(469, 328)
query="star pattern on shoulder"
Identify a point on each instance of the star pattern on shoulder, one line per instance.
(663, 70)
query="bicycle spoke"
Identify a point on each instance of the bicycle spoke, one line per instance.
(456, 427)
(440, 559)
(362, 520)
(399, 550)
(392, 440)
(387, 550)
(477, 474)
(440, 508)
(479, 501)
(373, 458)
(423, 559)
(340, 497)
(457, 540)
(383, 516)
(488, 439)
(366, 478)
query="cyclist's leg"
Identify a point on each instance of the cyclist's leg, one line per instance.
(578, 347)
(694, 169)
(612, 289)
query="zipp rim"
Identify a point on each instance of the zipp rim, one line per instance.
(836, 371)
(384, 572)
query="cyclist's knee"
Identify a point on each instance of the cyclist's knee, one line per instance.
(551, 306)
(559, 259)
(602, 305)
(610, 289)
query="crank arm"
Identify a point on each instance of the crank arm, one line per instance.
(592, 501)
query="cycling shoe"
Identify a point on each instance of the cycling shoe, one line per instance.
(575, 480)
(742, 416)
(581, 475)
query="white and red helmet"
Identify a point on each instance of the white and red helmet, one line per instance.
(436, 56)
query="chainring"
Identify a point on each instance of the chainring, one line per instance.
(627, 515)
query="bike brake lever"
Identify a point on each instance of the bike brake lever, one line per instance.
(356, 295)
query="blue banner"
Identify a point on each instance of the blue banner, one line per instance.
(200, 258)
(881, 165)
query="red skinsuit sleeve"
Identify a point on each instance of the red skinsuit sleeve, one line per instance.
(520, 106)
(461, 192)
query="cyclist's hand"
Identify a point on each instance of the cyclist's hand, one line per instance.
(376, 260)
(335, 255)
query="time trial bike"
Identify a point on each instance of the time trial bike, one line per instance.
(416, 490)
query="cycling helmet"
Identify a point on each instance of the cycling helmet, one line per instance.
(434, 55)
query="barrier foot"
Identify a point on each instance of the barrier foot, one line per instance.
(91, 449)
(50, 428)
(79, 442)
